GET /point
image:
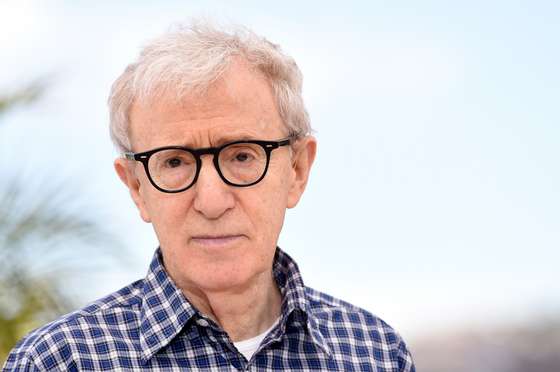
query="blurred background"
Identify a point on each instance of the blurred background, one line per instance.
(434, 202)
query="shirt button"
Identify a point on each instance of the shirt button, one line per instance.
(212, 338)
(202, 322)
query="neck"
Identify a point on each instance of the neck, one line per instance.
(242, 312)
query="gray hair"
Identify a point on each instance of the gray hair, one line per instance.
(189, 58)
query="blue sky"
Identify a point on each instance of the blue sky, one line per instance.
(435, 197)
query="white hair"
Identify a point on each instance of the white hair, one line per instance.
(189, 58)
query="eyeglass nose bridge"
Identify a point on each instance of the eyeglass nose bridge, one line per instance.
(215, 156)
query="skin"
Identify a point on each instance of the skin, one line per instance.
(218, 241)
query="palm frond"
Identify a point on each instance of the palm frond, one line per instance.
(26, 95)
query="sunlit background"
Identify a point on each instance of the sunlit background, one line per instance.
(435, 198)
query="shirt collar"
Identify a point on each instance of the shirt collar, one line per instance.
(294, 298)
(165, 310)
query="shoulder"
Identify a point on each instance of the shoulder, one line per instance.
(346, 326)
(334, 310)
(52, 345)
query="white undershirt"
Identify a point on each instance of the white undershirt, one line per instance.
(250, 346)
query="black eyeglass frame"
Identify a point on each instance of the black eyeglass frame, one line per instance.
(268, 146)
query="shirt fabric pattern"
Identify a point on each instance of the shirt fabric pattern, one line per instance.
(149, 325)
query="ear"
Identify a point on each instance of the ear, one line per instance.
(127, 174)
(303, 157)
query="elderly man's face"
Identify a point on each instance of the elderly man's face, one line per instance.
(214, 236)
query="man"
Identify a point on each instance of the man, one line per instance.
(216, 145)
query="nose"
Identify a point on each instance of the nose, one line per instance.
(212, 197)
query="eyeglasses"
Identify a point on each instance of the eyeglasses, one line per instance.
(174, 169)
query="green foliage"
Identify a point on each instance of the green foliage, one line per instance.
(43, 233)
(27, 95)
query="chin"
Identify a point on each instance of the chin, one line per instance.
(215, 269)
(222, 283)
(230, 275)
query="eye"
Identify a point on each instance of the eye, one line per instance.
(174, 162)
(242, 157)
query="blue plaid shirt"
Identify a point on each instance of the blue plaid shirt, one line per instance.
(149, 325)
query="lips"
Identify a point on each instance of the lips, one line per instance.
(215, 240)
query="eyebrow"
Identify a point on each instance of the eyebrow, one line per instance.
(232, 138)
(222, 140)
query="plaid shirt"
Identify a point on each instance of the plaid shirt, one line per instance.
(149, 325)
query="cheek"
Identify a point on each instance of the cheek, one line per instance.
(271, 216)
(167, 213)
(269, 205)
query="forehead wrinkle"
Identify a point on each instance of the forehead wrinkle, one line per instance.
(215, 136)
(225, 112)
(221, 137)
(220, 133)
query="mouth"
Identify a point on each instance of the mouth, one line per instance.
(216, 240)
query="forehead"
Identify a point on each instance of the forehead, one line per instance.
(240, 104)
